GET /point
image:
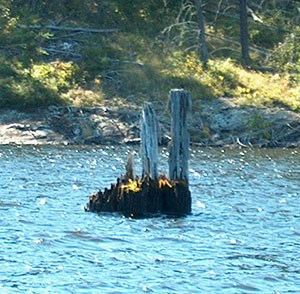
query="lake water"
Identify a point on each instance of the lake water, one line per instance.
(242, 237)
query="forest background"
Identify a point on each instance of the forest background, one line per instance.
(82, 52)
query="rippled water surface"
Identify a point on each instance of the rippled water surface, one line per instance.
(243, 235)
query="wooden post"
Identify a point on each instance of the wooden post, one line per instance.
(149, 142)
(179, 105)
(129, 168)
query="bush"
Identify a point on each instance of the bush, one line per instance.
(39, 86)
(57, 76)
(286, 56)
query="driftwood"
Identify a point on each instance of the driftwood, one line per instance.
(153, 194)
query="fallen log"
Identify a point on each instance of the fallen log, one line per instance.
(152, 194)
(70, 29)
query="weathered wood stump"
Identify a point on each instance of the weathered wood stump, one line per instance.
(153, 194)
(149, 142)
(147, 198)
(179, 105)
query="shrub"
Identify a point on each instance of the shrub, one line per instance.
(38, 86)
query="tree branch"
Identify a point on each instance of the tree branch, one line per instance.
(70, 29)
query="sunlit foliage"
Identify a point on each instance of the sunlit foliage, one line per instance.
(155, 49)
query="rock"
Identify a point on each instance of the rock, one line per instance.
(38, 134)
(216, 122)
(221, 122)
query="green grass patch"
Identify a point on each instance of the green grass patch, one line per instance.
(138, 74)
(155, 74)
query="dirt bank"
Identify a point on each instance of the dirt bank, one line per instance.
(212, 123)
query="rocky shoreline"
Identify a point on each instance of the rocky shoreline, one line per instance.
(69, 125)
(212, 123)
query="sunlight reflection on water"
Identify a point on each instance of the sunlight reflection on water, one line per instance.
(243, 235)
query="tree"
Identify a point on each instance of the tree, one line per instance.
(244, 37)
(201, 25)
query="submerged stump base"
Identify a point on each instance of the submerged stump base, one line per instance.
(143, 198)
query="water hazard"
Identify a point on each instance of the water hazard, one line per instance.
(243, 235)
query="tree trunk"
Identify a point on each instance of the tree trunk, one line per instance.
(149, 142)
(180, 105)
(201, 26)
(244, 37)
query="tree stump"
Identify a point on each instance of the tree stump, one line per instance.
(180, 105)
(149, 142)
(152, 194)
(152, 197)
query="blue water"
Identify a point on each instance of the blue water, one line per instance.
(243, 235)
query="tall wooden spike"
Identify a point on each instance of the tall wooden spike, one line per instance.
(179, 105)
(149, 142)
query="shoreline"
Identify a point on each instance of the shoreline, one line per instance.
(213, 124)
